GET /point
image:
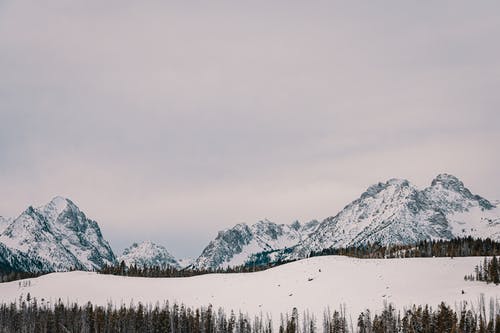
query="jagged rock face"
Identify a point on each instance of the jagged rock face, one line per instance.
(233, 247)
(148, 254)
(396, 212)
(55, 237)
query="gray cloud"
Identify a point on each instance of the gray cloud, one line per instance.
(170, 121)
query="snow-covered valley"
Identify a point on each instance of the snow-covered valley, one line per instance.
(310, 284)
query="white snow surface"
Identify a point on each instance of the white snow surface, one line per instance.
(310, 284)
(477, 222)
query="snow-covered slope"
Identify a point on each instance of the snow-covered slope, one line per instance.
(56, 236)
(396, 212)
(234, 246)
(310, 284)
(148, 254)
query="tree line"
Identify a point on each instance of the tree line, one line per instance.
(489, 271)
(167, 271)
(32, 316)
(7, 276)
(424, 319)
(28, 315)
(457, 247)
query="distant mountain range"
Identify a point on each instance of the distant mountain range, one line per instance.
(58, 236)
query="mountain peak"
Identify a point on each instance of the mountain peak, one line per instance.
(296, 225)
(398, 182)
(394, 183)
(447, 181)
(144, 245)
(56, 206)
(30, 210)
(59, 200)
(454, 185)
(148, 254)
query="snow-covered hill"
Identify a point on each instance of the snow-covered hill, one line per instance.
(148, 254)
(396, 212)
(234, 246)
(310, 284)
(56, 236)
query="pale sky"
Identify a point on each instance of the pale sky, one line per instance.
(168, 121)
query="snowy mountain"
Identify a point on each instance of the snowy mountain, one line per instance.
(396, 212)
(54, 237)
(235, 246)
(148, 254)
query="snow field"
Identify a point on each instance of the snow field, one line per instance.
(311, 284)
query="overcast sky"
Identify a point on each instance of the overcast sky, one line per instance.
(169, 121)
